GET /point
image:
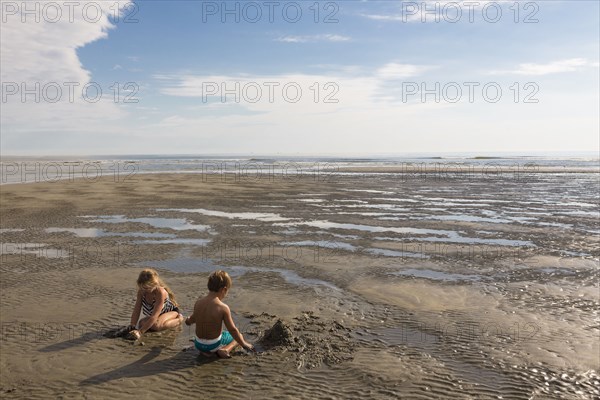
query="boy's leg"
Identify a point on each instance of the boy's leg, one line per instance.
(224, 351)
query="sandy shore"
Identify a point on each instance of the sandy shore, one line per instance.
(387, 305)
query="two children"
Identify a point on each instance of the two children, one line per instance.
(161, 312)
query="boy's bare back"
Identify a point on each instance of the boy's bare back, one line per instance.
(209, 315)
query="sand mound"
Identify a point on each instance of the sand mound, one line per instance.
(313, 342)
(278, 335)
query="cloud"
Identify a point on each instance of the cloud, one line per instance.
(435, 10)
(336, 111)
(44, 53)
(388, 17)
(555, 67)
(336, 108)
(313, 38)
(401, 71)
(371, 86)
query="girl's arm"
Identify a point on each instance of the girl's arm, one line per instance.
(135, 316)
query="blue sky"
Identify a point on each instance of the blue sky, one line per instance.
(375, 61)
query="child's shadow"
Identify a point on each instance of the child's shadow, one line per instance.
(69, 343)
(165, 338)
(142, 367)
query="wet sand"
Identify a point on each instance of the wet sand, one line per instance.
(414, 288)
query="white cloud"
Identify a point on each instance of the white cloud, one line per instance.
(401, 71)
(366, 87)
(313, 38)
(437, 10)
(45, 53)
(388, 17)
(370, 116)
(368, 110)
(555, 67)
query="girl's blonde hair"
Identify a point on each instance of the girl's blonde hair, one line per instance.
(149, 279)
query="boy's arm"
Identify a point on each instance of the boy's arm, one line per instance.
(192, 318)
(237, 335)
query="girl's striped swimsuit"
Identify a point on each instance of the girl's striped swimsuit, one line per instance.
(167, 306)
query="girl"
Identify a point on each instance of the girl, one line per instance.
(158, 304)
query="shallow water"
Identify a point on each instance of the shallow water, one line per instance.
(322, 243)
(454, 237)
(193, 264)
(230, 215)
(436, 275)
(367, 228)
(95, 232)
(185, 241)
(393, 253)
(178, 224)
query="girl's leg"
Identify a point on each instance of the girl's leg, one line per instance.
(167, 320)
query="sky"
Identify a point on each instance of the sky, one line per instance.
(298, 77)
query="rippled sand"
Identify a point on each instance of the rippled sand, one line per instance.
(442, 288)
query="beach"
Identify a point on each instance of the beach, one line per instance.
(398, 283)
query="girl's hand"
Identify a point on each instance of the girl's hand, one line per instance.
(135, 334)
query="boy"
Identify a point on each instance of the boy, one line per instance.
(209, 315)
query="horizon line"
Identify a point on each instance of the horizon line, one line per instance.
(462, 154)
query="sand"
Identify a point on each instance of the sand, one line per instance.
(516, 324)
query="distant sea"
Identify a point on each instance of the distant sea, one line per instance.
(25, 169)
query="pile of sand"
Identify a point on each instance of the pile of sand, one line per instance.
(311, 341)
